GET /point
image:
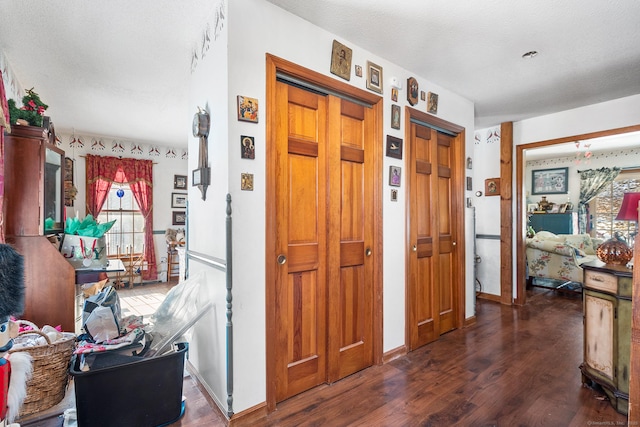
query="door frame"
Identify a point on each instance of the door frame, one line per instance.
(274, 66)
(457, 198)
(521, 210)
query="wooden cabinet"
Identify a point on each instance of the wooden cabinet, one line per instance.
(565, 223)
(34, 203)
(607, 330)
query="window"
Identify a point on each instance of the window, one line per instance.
(607, 204)
(127, 234)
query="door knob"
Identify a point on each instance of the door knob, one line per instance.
(282, 259)
(453, 243)
(414, 248)
(367, 252)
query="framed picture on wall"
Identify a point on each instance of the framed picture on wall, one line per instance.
(394, 147)
(179, 182)
(179, 200)
(550, 181)
(374, 77)
(395, 173)
(179, 217)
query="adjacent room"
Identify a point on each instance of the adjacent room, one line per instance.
(286, 212)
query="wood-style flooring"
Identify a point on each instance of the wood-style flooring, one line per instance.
(517, 366)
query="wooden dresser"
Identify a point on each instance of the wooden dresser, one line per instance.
(607, 291)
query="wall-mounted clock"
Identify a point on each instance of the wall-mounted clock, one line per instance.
(201, 124)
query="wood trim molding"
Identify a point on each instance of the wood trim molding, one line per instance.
(394, 354)
(489, 297)
(469, 321)
(506, 213)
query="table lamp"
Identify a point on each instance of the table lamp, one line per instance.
(629, 211)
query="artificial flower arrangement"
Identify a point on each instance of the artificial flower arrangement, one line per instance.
(30, 113)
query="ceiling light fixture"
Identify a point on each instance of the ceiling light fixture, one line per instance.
(530, 54)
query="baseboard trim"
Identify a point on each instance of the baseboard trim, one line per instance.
(394, 354)
(470, 321)
(249, 417)
(490, 297)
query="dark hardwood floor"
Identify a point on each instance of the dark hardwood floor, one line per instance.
(517, 366)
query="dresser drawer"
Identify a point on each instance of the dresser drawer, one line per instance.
(601, 281)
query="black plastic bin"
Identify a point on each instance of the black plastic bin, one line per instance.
(128, 390)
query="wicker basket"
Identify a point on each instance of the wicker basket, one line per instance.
(48, 383)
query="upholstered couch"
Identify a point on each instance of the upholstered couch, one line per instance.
(559, 256)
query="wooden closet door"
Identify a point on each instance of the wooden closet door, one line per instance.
(325, 233)
(431, 284)
(301, 241)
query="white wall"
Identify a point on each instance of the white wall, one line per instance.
(486, 164)
(255, 28)
(206, 220)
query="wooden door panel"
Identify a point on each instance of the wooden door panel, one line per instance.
(446, 243)
(301, 239)
(432, 309)
(423, 321)
(350, 285)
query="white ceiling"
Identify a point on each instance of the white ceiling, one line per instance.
(121, 68)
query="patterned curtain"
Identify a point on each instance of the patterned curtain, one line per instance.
(102, 172)
(592, 182)
(4, 120)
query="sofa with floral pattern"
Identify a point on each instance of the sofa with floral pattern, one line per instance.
(560, 256)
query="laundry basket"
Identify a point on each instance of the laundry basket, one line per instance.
(48, 383)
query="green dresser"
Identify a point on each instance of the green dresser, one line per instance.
(557, 223)
(607, 330)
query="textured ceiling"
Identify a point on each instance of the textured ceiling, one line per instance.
(121, 68)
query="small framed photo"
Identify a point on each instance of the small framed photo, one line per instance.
(469, 183)
(374, 77)
(247, 147)
(246, 182)
(532, 207)
(394, 94)
(432, 103)
(394, 147)
(179, 182)
(179, 200)
(395, 116)
(423, 96)
(394, 195)
(395, 174)
(549, 181)
(412, 90)
(247, 109)
(341, 60)
(358, 70)
(179, 217)
(492, 187)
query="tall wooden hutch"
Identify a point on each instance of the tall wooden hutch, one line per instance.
(34, 215)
